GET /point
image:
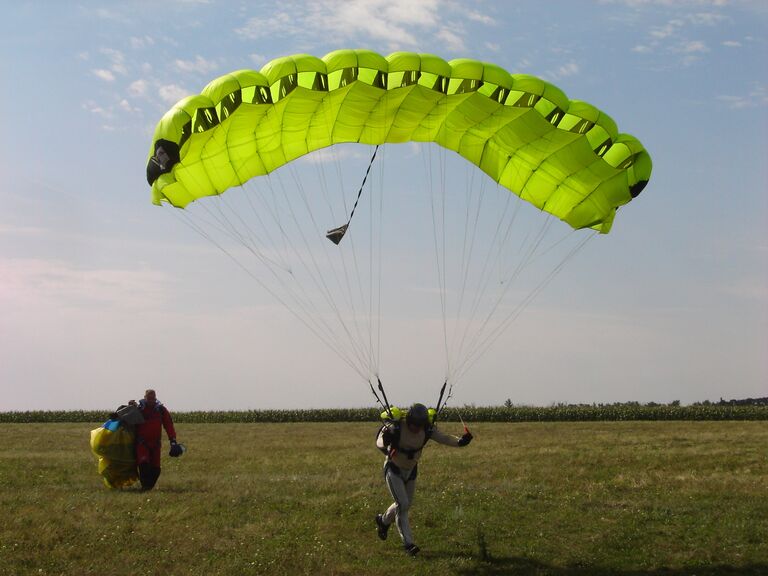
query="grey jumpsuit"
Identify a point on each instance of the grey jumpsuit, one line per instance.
(400, 469)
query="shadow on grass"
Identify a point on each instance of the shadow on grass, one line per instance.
(518, 566)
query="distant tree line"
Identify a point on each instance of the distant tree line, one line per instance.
(741, 402)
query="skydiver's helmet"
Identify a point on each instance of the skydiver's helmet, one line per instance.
(418, 415)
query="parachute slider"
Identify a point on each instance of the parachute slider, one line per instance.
(337, 234)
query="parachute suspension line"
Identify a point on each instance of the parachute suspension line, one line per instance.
(357, 274)
(520, 266)
(320, 166)
(379, 258)
(370, 267)
(524, 261)
(358, 324)
(320, 169)
(306, 306)
(244, 234)
(441, 155)
(228, 229)
(337, 234)
(373, 361)
(355, 341)
(274, 210)
(483, 279)
(492, 257)
(320, 281)
(276, 249)
(439, 258)
(483, 347)
(442, 159)
(329, 331)
(185, 217)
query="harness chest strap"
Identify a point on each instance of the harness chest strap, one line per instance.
(394, 441)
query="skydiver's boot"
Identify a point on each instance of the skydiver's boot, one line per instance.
(381, 528)
(148, 475)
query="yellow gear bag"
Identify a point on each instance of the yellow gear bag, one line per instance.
(113, 445)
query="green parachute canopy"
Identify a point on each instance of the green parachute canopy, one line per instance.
(564, 156)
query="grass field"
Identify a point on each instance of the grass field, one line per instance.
(623, 498)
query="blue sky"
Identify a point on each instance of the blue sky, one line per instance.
(103, 294)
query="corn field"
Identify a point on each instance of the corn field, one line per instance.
(556, 413)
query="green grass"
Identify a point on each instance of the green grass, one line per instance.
(624, 498)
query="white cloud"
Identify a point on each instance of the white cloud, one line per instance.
(706, 18)
(139, 42)
(693, 46)
(731, 44)
(105, 114)
(105, 75)
(138, 87)
(172, 93)
(257, 59)
(756, 97)
(100, 111)
(482, 18)
(199, 65)
(107, 14)
(451, 40)
(692, 50)
(116, 60)
(674, 36)
(667, 30)
(281, 24)
(396, 23)
(668, 3)
(564, 71)
(126, 106)
(524, 64)
(61, 283)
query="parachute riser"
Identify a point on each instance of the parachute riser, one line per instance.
(441, 404)
(387, 406)
(440, 400)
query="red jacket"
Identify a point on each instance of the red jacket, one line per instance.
(156, 418)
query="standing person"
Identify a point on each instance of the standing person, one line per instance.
(148, 438)
(403, 441)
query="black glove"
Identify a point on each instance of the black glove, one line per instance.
(465, 439)
(176, 450)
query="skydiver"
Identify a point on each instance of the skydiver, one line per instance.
(148, 438)
(402, 439)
